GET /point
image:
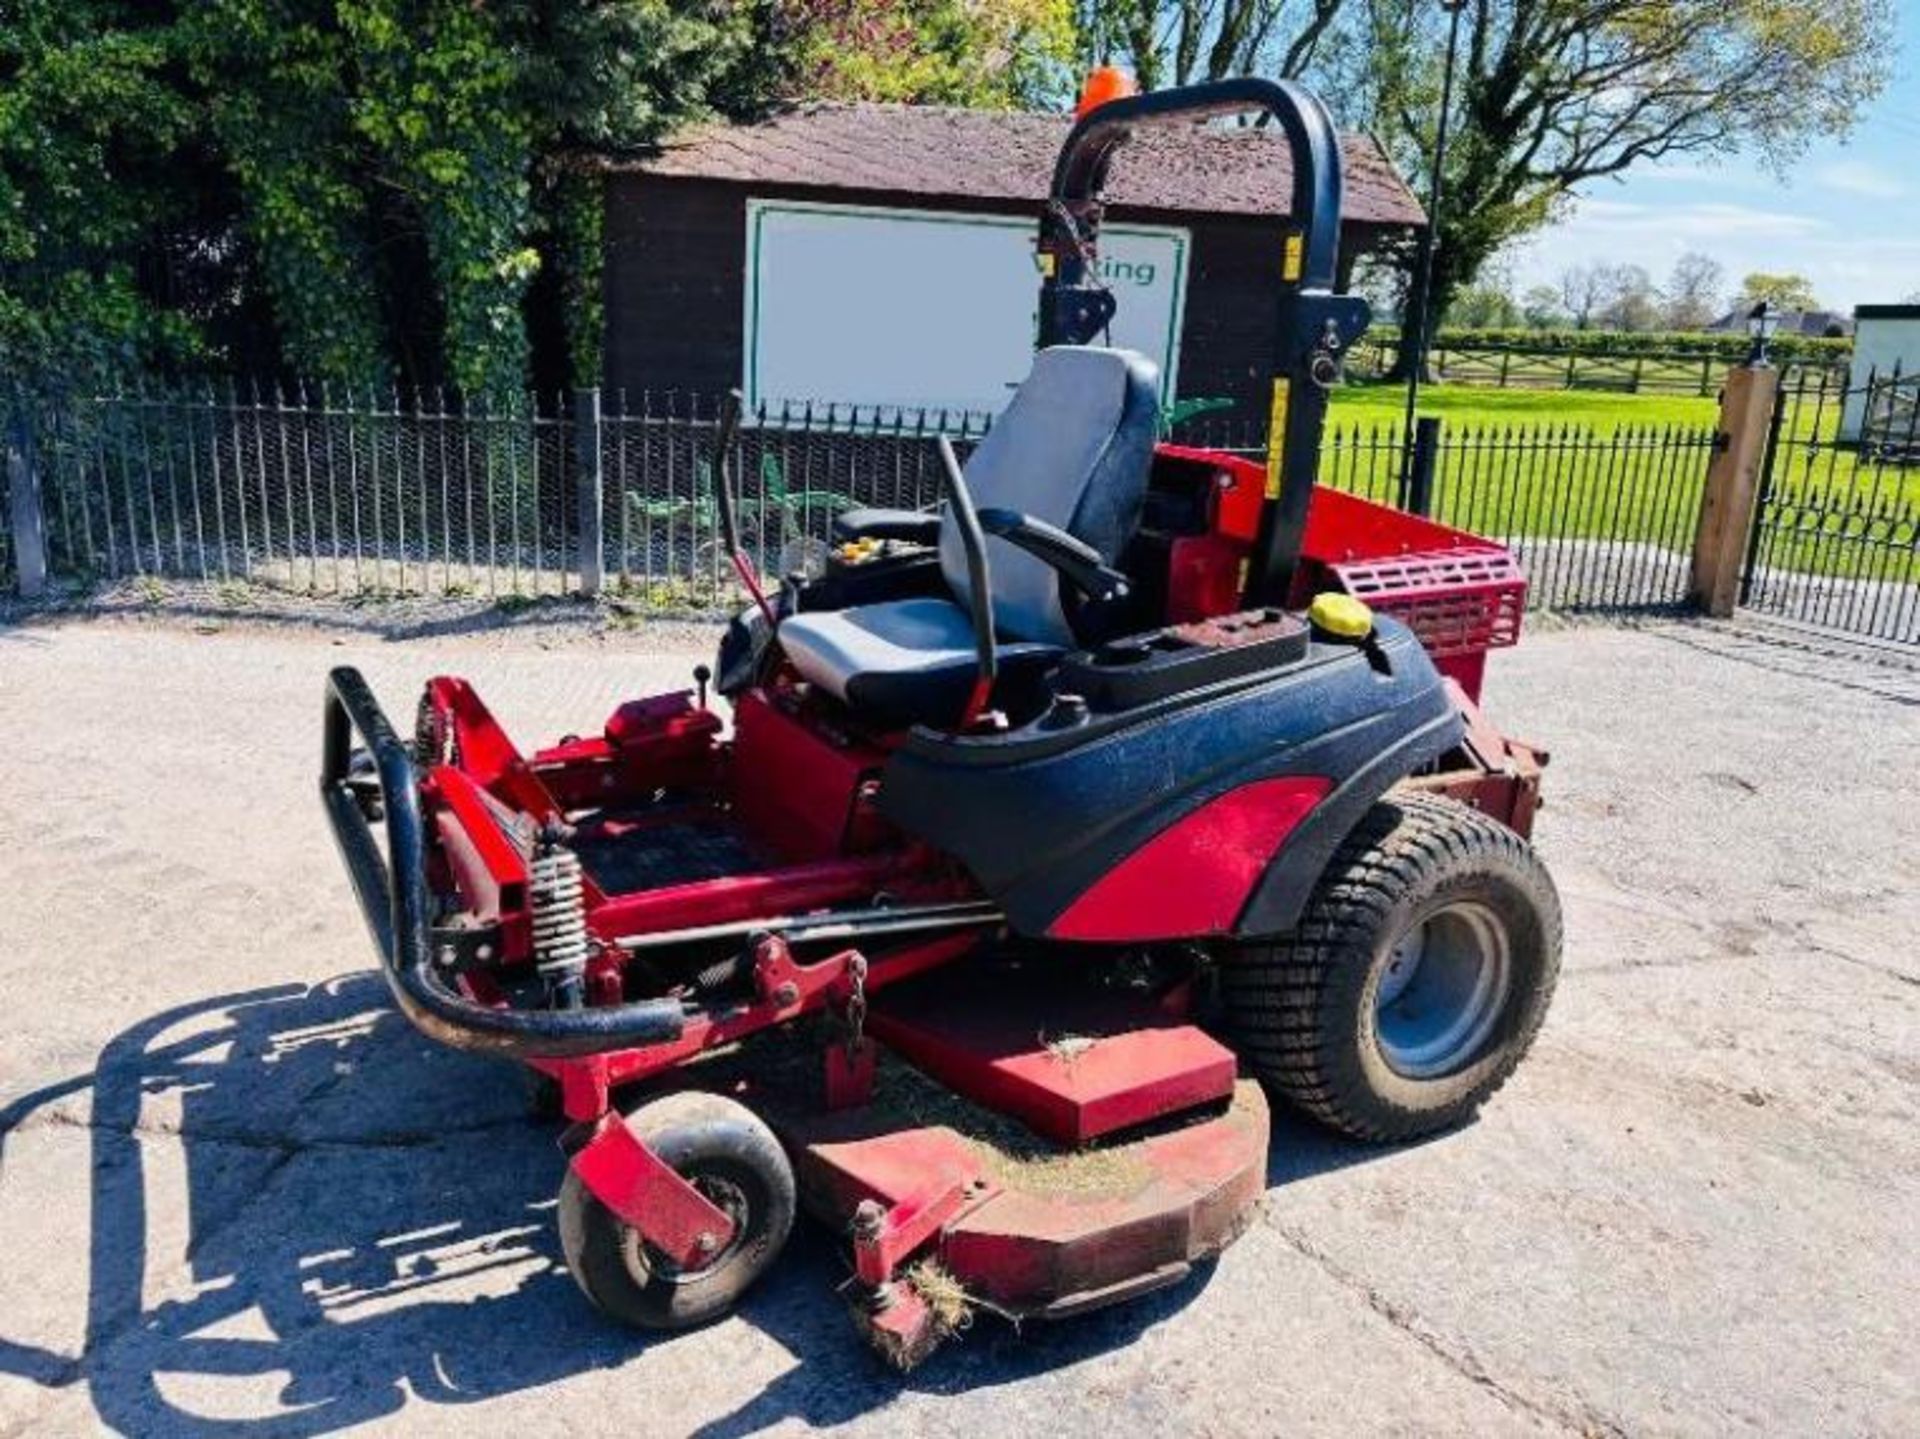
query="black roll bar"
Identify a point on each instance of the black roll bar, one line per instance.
(392, 890)
(1313, 326)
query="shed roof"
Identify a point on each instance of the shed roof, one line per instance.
(941, 150)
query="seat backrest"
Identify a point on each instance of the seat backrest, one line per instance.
(1073, 448)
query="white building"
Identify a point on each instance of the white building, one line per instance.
(1886, 342)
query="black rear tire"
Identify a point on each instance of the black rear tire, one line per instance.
(730, 1155)
(1336, 1017)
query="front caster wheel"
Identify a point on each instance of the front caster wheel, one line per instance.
(729, 1155)
(1415, 980)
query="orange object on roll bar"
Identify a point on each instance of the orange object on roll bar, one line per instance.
(1107, 82)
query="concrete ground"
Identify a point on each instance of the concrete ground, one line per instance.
(239, 1195)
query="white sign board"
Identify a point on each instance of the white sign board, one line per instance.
(926, 310)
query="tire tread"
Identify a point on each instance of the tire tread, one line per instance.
(1276, 991)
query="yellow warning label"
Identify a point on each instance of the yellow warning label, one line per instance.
(1045, 261)
(1290, 262)
(1277, 437)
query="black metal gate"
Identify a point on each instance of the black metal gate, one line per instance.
(1836, 531)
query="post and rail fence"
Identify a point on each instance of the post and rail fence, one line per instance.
(1581, 360)
(603, 493)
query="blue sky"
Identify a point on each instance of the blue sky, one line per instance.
(1847, 215)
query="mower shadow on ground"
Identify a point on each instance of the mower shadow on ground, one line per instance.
(396, 619)
(369, 1225)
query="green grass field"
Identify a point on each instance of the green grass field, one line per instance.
(1586, 464)
(1469, 405)
(1514, 463)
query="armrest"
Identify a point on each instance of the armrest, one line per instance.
(916, 526)
(1078, 562)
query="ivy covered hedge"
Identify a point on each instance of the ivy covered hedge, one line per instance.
(366, 192)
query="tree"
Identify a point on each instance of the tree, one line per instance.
(1632, 303)
(1696, 292)
(1583, 293)
(1553, 94)
(1783, 291)
(1176, 42)
(994, 54)
(1541, 308)
(1486, 304)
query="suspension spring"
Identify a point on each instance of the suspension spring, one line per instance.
(558, 898)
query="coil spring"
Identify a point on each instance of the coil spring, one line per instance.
(433, 738)
(559, 912)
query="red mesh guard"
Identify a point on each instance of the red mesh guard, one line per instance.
(1460, 602)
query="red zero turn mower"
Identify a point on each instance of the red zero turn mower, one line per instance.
(1027, 806)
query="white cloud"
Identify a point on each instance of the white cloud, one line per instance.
(1858, 177)
(1847, 263)
(1688, 172)
(1702, 221)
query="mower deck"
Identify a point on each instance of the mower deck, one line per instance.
(1075, 1065)
(954, 1203)
(1027, 1236)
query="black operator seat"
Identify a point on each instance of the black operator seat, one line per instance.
(1072, 450)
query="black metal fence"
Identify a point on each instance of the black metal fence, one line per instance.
(1603, 518)
(1836, 532)
(335, 493)
(373, 494)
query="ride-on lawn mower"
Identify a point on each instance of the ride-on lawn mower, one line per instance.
(1126, 749)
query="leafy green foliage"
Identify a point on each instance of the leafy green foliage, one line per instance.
(380, 181)
(1178, 42)
(1782, 291)
(87, 119)
(993, 54)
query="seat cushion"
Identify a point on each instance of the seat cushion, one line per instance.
(1072, 448)
(907, 661)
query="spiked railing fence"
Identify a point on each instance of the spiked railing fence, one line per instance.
(327, 492)
(1836, 532)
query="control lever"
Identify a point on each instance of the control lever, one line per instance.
(973, 541)
(723, 501)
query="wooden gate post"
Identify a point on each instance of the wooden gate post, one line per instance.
(29, 514)
(1726, 504)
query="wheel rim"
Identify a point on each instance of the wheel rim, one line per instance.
(1442, 988)
(648, 1264)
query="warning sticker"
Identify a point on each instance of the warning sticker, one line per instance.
(1290, 261)
(1277, 436)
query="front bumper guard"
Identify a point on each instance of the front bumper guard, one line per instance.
(393, 894)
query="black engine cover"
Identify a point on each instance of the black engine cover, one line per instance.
(1042, 811)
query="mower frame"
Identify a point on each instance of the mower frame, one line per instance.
(857, 901)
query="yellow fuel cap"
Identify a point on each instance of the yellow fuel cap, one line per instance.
(1340, 615)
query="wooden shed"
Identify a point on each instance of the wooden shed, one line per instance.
(882, 254)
